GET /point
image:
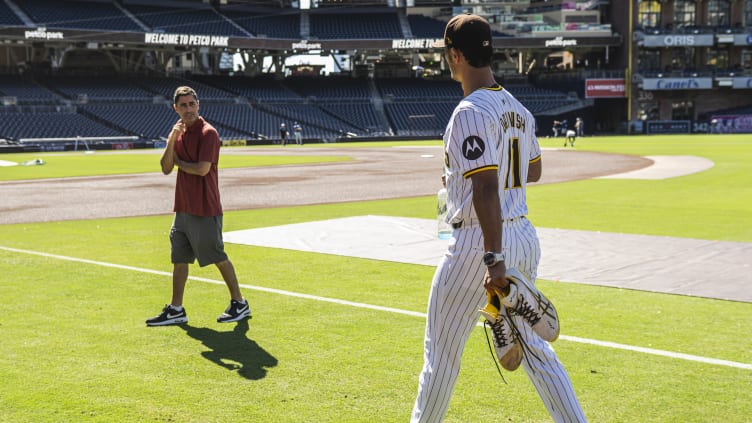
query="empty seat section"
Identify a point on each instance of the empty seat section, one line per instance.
(416, 89)
(165, 86)
(419, 118)
(51, 125)
(309, 114)
(360, 115)
(148, 120)
(355, 25)
(184, 20)
(267, 25)
(336, 88)
(257, 88)
(25, 91)
(425, 27)
(8, 17)
(78, 15)
(100, 88)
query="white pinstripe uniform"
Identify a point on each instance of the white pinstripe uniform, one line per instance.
(489, 129)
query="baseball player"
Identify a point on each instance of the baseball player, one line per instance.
(491, 152)
(571, 137)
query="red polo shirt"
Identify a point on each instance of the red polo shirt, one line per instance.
(198, 195)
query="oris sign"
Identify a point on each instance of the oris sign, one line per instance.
(678, 40)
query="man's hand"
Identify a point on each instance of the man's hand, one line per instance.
(495, 281)
(168, 160)
(177, 130)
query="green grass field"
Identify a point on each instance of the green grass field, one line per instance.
(75, 348)
(62, 165)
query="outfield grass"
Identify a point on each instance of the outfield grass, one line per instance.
(88, 357)
(64, 165)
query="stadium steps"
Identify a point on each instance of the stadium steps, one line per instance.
(301, 119)
(305, 24)
(20, 13)
(233, 23)
(378, 105)
(107, 123)
(405, 24)
(127, 13)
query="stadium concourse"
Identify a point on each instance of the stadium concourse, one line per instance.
(627, 261)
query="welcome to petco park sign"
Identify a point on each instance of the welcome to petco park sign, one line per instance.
(414, 43)
(186, 39)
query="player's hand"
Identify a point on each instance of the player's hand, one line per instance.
(495, 281)
(178, 129)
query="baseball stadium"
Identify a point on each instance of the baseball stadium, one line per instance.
(331, 116)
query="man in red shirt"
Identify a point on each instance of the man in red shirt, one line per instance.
(193, 146)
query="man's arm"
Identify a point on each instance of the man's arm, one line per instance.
(535, 170)
(168, 155)
(488, 209)
(194, 168)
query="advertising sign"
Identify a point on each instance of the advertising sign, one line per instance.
(669, 126)
(677, 83)
(679, 40)
(741, 83)
(605, 88)
(731, 124)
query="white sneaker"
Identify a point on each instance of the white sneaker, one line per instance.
(508, 349)
(526, 301)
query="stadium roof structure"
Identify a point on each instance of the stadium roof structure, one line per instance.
(249, 25)
(150, 40)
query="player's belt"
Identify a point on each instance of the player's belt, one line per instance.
(467, 223)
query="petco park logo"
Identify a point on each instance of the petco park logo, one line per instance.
(42, 34)
(560, 42)
(305, 45)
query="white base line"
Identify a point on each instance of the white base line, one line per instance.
(606, 344)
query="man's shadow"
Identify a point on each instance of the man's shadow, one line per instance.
(230, 348)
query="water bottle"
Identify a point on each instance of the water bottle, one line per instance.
(445, 229)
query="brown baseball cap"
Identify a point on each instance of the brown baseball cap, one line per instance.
(467, 32)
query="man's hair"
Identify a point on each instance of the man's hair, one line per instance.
(477, 58)
(184, 90)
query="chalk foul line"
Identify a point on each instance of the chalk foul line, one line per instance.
(606, 344)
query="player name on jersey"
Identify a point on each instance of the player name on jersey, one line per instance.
(512, 119)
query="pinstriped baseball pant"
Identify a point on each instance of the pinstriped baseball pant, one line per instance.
(457, 294)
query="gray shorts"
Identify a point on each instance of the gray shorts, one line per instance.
(199, 237)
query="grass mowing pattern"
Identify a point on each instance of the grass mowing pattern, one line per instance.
(88, 356)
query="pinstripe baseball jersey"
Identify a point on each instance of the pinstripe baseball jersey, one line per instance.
(489, 129)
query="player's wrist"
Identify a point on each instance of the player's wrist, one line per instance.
(491, 258)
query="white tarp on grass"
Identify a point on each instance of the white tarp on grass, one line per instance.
(662, 264)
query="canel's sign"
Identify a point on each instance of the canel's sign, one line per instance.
(742, 83)
(677, 83)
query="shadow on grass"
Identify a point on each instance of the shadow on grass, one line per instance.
(233, 350)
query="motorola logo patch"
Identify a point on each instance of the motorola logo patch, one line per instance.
(473, 147)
